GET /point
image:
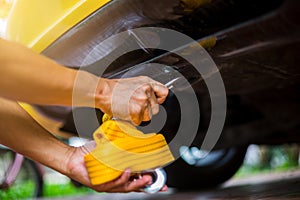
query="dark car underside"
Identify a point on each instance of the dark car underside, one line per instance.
(254, 43)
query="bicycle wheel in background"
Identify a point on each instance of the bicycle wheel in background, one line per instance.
(28, 182)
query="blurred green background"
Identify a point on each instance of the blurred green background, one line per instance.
(259, 159)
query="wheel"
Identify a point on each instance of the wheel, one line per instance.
(191, 171)
(27, 184)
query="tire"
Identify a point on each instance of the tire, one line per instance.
(192, 172)
(27, 184)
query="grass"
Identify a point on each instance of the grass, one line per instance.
(247, 170)
(19, 191)
(265, 159)
(25, 190)
(65, 190)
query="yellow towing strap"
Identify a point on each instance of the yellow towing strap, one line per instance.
(121, 146)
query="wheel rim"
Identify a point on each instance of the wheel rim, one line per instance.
(200, 158)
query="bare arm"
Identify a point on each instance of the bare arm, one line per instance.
(21, 133)
(30, 77)
(33, 78)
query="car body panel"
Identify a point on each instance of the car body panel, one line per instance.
(37, 23)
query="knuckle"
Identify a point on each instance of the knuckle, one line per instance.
(147, 87)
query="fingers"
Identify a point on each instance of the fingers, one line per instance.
(144, 104)
(147, 113)
(160, 91)
(144, 113)
(121, 181)
(151, 106)
(136, 99)
(112, 185)
(153, 102)
(124, 184)
(156, 94)
(134, 185)
(165, 188)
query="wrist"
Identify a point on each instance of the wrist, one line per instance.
(75, 166)
(61, 155)
(68, 163)
(103, 94)
(85, 89)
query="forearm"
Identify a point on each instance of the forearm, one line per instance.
(21, 133)
(33, 78)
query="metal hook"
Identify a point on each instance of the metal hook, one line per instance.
(159, 177)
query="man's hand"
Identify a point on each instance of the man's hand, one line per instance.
(132, 99)
(124, 183)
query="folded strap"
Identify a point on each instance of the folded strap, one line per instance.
(120, 146)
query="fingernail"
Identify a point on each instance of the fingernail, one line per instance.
(127, 171)
(165, 189)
